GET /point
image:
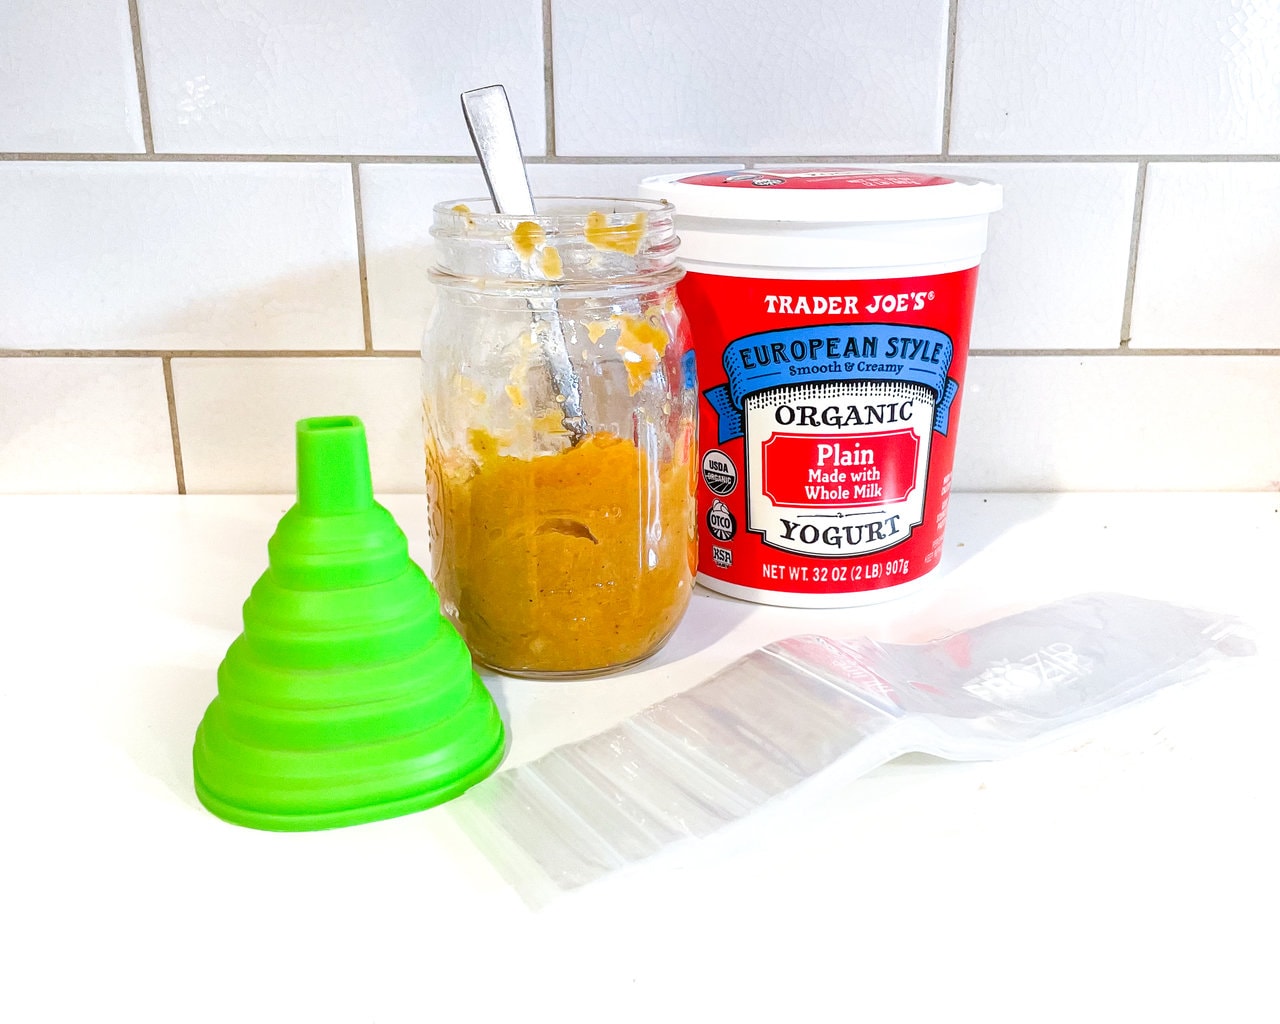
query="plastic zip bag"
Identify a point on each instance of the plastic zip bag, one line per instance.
(697, 761)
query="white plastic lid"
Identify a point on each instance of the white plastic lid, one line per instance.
(823, 194)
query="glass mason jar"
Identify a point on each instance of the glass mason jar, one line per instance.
(559, 405)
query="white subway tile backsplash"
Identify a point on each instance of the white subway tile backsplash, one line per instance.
(1208, 271)
(67, 79)
(254, 250)
(237, 416)
(178, 256)
(1054, 272)
(1119, 423)
(1157, 77)
(605, 179)
(84, 425)
(397, 199)
(331, 76)
(740, 77)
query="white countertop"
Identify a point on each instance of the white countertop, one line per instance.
(1126, 871)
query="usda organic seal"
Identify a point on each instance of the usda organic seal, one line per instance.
(718, 472)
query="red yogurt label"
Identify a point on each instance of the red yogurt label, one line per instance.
(827, 426)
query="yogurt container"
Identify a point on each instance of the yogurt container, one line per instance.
(830, 310)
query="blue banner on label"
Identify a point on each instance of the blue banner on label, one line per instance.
(833, 352)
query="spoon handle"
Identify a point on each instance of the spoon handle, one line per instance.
(493, 133)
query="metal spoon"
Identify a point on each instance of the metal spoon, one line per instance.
(493, 134)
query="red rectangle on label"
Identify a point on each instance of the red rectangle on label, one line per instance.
(839, 470)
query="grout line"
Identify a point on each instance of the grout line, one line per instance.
(167, 363)
(361, 259)
(155, 353)
(350, 353)
(714, 158)
(1131, 274)
(135, 28)
(548, 77)
(248, 158)
(949, 82)
(1124, 352)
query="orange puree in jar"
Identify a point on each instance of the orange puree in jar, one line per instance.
(568, 561)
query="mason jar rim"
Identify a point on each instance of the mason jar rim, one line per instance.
(567, 215)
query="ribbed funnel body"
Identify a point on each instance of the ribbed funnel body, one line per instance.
(348, 697)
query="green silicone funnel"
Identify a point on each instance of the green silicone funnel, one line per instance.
(348, 697)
